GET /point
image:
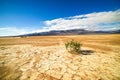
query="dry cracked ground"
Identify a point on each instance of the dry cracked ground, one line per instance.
(29, 62)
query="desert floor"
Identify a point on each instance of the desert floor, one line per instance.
(45, 58)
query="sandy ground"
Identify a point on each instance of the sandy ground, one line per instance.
(45, 58)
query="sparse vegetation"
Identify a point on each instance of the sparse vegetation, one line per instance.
(73, 46)
(18, 60)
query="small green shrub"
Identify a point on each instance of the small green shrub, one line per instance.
(73, 46)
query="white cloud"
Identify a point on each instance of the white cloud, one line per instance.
(94, 21)
(11, 31)
(90, 21)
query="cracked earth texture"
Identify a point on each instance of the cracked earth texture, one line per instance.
(29, 62)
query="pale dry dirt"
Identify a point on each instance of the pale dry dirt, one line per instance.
(45, 58)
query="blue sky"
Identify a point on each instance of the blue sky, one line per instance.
(26, 16)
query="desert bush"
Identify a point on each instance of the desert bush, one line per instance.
(73, 46)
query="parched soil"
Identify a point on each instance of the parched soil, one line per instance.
(45, 58)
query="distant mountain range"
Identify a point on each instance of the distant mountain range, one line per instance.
(72, 32)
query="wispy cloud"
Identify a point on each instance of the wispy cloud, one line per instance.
(11, 31)
(90, 21)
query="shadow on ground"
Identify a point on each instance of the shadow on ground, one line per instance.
(83, 52)
(9, 73)
(87, 52)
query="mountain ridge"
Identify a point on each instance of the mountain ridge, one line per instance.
(71, 32)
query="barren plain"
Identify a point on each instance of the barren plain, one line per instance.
(45, 58)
